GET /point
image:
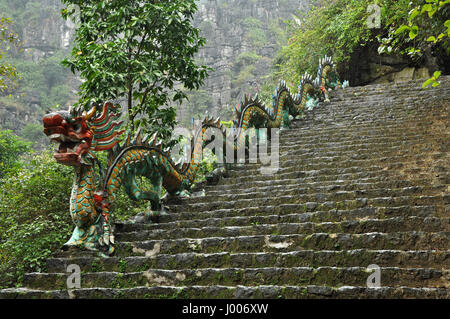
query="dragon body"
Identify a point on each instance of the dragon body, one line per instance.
(81, 136)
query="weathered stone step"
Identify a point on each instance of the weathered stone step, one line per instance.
(327, 276)
(305, 258)
(414, 240)
(335, 117)
(310, 154)
(319, 187)
(312, 172)
(317, 202)
(301, 131)
(398, 224)
(376, 144)
(363, 154)
(345, 185)
(234, 292)
(299, 146)
(312, 195)
(282, 213)
(301, 127)
(378, 173)
(381, 100)
(303, 163)
(340, 99)
(232, 218)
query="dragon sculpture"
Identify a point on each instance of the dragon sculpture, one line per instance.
(80, 136)
(253, 113)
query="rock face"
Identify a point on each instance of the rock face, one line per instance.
(368, 67)
(242, 38)
(45, 32)
(363, 180)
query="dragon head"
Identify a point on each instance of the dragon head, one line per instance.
(77, 135)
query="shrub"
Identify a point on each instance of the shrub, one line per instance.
(11, 147)
(34, 216)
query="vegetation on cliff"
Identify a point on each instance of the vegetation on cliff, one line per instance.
(338, 28)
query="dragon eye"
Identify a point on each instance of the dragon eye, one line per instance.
(77, 127)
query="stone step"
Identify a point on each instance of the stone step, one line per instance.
(322, 276)
(312, 195)
(316, 202)
(299, 147)
(232, 292)
(365, 153)
(413, 240)
(375, 173)
(305, 258)
(389, 225)
(304, 128)
(294, 163)
(327, 186)
(313, 188)
(226, 218)
(284, 214)
(386, 148)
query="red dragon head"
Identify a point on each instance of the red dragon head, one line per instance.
(79, 134)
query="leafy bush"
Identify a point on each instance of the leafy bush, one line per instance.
(33, 133)
(334, 28)
(426, 27)
(11, 147)
(207, 165)
(34, 216)
(338, 28)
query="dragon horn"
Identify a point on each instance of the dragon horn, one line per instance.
(87, 116)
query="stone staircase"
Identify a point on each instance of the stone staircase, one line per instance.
(364, 180)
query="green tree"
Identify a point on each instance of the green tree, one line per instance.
(8, 73)
(138, 51)
(339, 28)
(11, 147)
(426, 27)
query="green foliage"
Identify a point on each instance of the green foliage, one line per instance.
(8, 38)
(34, 218)
(33, 133)
(11, 147)
(34, 215)
(334, 28)
(338, 28)
(246, 58)
(425, 27)
(207, 165)
(255, 34)
(137, 51)
(47, 79)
